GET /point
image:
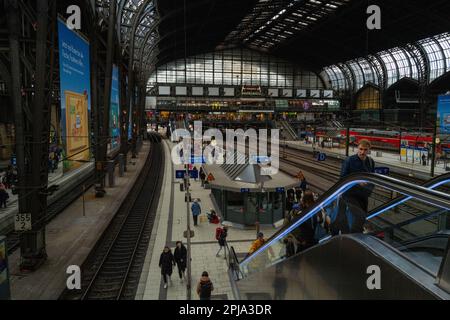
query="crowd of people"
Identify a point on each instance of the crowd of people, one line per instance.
(178, 258)
(346, 215)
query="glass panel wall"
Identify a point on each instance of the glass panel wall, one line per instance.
(235, 67)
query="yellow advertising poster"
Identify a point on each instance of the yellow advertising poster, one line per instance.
(77, 138)
(403, 152)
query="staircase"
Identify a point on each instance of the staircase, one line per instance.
(287, 132)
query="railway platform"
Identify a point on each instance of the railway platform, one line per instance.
(387, 159)
(169, 227)
(71, 236)
(65, 182)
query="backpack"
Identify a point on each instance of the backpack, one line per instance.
(205, 289)
(333, 213)
(219, 231)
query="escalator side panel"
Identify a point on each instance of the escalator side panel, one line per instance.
(337, 269)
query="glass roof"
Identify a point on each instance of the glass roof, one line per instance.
(395, 64)
(273, 21)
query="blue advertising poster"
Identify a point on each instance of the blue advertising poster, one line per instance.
(114, 115)
(443, 110)
(130, 125)
(75, 87)
(130, 119)
(4, 275)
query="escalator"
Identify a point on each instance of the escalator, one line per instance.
(287, 132)
(404, 255)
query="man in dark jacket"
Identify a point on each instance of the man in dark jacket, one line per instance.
(166, 262)
(357, 198)
(202, 176)
(205, 287)
(180, 256)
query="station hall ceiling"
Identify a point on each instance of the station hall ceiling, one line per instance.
(310, 33)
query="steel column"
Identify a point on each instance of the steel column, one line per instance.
(33, 251)
(12, 16)
(108, 81)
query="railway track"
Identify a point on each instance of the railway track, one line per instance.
(403, 212)
(113, 268)
(326, 174)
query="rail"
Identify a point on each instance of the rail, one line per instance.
(432, 197)
(112, 269)
(233, 263)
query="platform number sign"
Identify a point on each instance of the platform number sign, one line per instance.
(22, 222)
(321, 157)
(382, 170)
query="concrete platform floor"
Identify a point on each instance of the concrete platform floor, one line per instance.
(169, 225)
(71, 236)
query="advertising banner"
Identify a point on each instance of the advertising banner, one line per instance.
(443, 114)
(114, 115)
(75, 87)
(130, 110)
(4, 275)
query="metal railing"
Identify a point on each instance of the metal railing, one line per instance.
(436, 198)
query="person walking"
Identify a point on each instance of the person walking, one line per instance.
(202, 176)
(222, 239)
(357, 198)
(180, 256)
(166, 263)
(424, 159)
(196, 211)
(205, 287)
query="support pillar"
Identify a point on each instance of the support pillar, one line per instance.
(110, 168)
(121, 164)
(33, 251)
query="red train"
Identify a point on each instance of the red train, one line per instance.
(384, 140)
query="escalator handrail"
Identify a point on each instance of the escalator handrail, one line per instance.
(432, 183)
(432, 197)
(412, 220)
(424, 238)
(234, 262)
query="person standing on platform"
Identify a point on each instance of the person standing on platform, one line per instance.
(424, 159)
(195, 173)
(166, 263)
(301, 188)
(196, 211)
(180, 256)
(357, 198)
(205, 287)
